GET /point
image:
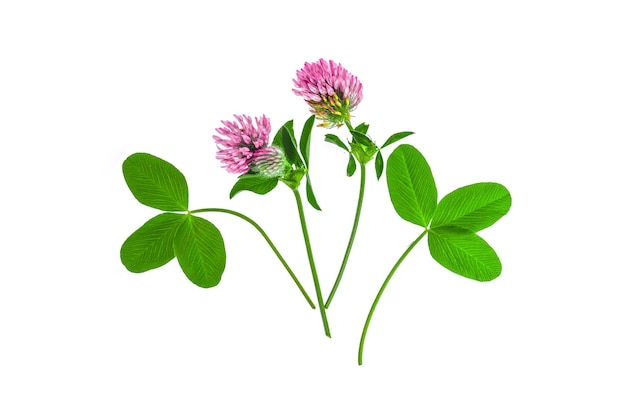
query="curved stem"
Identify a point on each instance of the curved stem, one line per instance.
(269, 242)
(349, 125)
(352, 235)
(309, 252)
(380, 293)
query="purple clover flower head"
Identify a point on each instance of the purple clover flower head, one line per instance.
(238, 140)
(331, 91)
(269, 162)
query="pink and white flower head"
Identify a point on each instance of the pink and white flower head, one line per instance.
(239, 141)
(331, 91)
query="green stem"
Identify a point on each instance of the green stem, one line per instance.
(352, 235)
(349, 125)
(267, 239)
(309, 252)
(380, 293)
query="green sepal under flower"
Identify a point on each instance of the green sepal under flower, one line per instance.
(362, 147)
(293, 176)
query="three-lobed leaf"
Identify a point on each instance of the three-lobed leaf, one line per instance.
(256, 183)
(152, 245)
(199, 248)
(155, 182)
(411, 185)
(464, 252)
(473, 207)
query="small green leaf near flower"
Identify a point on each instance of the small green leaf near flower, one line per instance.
(289, 145)
(310, 196)
(379, 164)
(256, 183)
(305, 139)
(351, 166)
(362, 128)
(334, 139)
(396, 137)
(305, 144)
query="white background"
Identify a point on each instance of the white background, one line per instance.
(529, 94)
